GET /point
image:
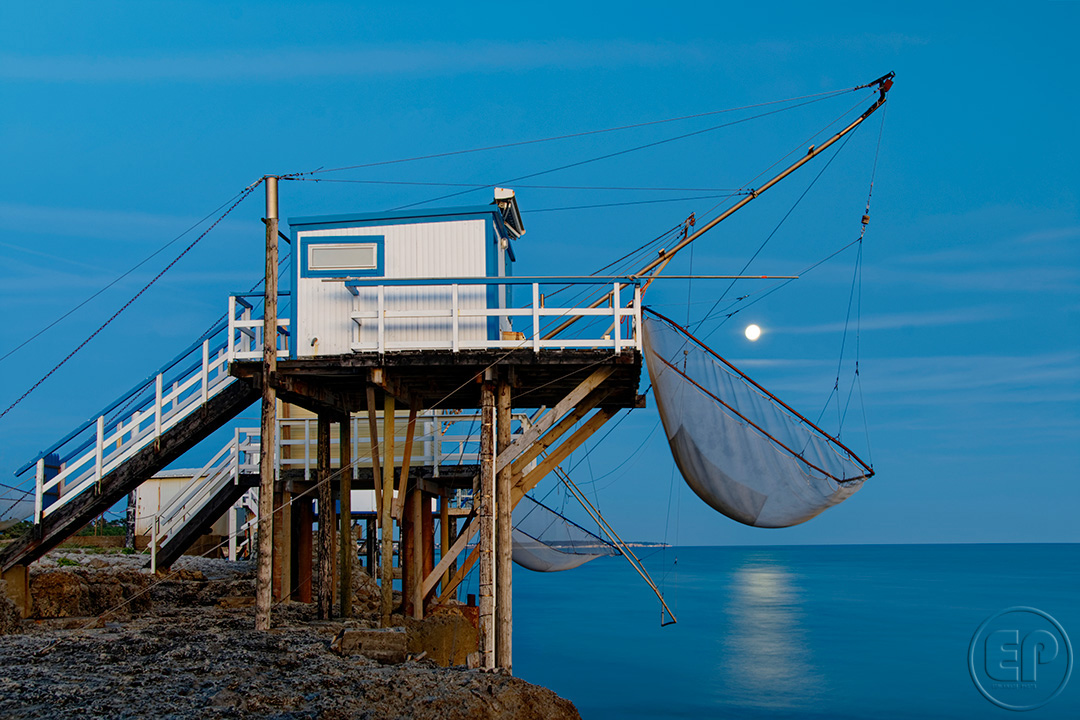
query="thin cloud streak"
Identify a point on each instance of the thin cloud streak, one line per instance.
(419, 59)
(895, 321)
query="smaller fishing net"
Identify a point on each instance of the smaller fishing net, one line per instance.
(545, 541)
(740, 448)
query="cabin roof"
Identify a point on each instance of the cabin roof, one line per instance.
(405, 216)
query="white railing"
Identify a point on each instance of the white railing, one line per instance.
(111, 446)
(438, 440)
(623, 332)
(240, 455)
(246, 331)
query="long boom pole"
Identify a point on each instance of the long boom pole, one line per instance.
(884, 83)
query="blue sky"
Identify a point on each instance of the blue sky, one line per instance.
(124, 123)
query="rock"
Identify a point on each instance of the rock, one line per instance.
(10, 619)
(384, 645)
(59, 593)
(233, 602)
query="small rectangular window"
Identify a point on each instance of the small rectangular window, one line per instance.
(343, 257)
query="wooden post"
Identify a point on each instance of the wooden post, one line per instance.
(484, 506)
(385, 518)
(504, 617)
(348, 544)
(326, 522)
(265, 567)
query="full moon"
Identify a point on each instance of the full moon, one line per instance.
(753, 332)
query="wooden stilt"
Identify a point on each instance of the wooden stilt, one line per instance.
(504, 617)
(416, 561)
(484, 503)
(371, 544)
(444, 532)
(348, 543)
(326, 522)
(386, 521)
(305, 518)
(427, 524)
(282, 576)
(407, 553)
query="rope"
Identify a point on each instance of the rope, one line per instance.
(568, 136)
(617, 153)
(133, 268)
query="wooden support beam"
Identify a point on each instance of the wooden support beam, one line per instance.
(564, 406)
(406, 459)
(348, 544)
(484, 502)
(310, 396)
(524, 483)
(373, 434)
(504, 553)
(326, 522)
(386, 520)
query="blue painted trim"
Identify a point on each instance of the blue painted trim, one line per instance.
(491, 267)
(334, 222)
(294, 290)
(379, 241)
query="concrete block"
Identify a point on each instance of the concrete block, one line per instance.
(385, 645)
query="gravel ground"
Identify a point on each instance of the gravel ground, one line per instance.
(185, 657)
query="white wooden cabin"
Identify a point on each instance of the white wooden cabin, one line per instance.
(341, 304)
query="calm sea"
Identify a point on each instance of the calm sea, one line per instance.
(877, 631)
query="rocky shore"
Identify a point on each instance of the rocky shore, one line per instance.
(110, 641)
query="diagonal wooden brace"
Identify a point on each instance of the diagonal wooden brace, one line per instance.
(561, 428)
(460, 574)
(373, 433)
(525, 483)
(403, 480)
(564, 406)
(451, 555)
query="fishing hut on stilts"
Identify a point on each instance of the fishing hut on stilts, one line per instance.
(418, 314)
(395, 328)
